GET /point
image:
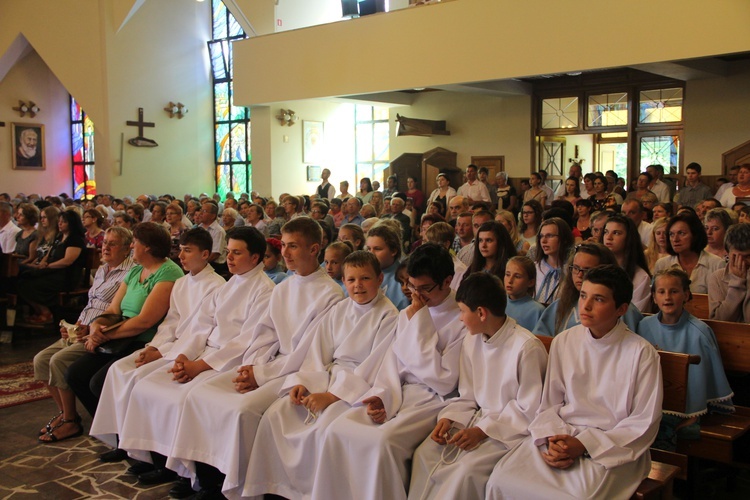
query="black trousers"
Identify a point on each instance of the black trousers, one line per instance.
(86, 375)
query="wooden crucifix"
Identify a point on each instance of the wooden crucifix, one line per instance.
(141, 141)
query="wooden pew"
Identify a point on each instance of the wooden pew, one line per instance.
(660, 480)
(722, 435)
(698, 306)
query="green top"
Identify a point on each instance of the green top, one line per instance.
(137, 292)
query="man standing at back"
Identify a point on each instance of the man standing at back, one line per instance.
(473, 190)
(694, 191)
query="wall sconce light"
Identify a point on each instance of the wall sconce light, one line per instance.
(31, 108)
(179, 110)
(287, 117)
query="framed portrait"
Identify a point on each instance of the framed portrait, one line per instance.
(28, 146)
(312, 142)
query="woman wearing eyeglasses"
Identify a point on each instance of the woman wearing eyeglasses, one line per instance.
(686, 240)
(553, 243)
(563, 313)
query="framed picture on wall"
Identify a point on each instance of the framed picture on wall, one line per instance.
(313, 173)
(28, 146)
(312, 142)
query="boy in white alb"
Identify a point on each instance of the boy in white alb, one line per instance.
(601, 406)
(500, 387)
(185, 301)
(349, 346)
(153, 409)
(220, 417)
(366, 450)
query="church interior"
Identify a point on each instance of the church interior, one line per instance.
(517, 84)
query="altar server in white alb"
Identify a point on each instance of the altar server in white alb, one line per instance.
(188, 294)
(156, 401)
(601, 406)
(366, 450)
(349, 346)
(220, 417)
(500, 387)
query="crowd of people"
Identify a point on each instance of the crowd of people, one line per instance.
(381, 344)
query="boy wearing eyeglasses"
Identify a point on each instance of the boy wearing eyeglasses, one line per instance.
(366, 450)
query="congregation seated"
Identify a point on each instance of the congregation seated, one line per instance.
(27, 216)
(59, 270)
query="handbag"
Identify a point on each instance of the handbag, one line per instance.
(112, 322)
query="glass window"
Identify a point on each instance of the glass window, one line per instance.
(231, 123)
(372, 142)
(608, 110)
(660, 106)
(82, 147)
(661, 149)
(560, 112)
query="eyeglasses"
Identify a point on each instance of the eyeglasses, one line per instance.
(316, 212)
(548, 236)
(527, 213)
(423, 290)
(577, 270)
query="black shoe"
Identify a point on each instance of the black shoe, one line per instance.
(116, 455)
(209, 494)
(181, 489)
(157, 476)
(140, 468)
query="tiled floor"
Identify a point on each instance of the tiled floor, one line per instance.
(67, 470)
(71, 469)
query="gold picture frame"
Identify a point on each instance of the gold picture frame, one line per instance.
(28, 142)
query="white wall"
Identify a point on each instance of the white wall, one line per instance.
(479, 126)
(31, 80)
(296, 14)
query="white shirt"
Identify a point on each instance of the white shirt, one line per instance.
(8, 237)
(219, 237)
(661, 191)
(476, 190)
(644, 231)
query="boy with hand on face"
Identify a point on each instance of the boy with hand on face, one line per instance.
(600, 410)
(366, 450)
(500, 386)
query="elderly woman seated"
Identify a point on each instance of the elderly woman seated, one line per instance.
(142, 301)
(59, 270)
(51, 364)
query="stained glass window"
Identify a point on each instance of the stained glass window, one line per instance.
(372, 142)
(608, 110)
(662, 149)
(82, 148)
(660, 106)
(231, 123)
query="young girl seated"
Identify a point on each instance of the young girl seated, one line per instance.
(674, 329)
(553, 243)
(334, 260)
(385, 243)
(353, 234)
(272, 261)
(520, 277)
(492, 249)
(621, 236)
(563, 313)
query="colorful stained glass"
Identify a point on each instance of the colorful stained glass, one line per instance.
(82, 151)
(664, 150)
(232, 123)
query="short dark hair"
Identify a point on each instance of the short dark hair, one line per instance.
(155, 237)
(391, 238)
(307, 227)
(433, 260)
(615, 278)
(362, 258)
(738, 237)
(699, 239)
(254, 239)
(137, 209)
(199, 237)
(694, 166)
(483, 290)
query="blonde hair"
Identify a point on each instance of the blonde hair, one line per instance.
(508, 217)
(652, 250)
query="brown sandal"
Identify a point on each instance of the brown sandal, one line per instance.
(48, 427)
(55, 439)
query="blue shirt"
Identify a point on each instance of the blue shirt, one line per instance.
(392, 288)
(526, 311)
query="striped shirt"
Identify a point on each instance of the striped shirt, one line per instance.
(106, 283)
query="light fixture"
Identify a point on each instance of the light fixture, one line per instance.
(287, 117)
(31, 108)
(179, 110)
